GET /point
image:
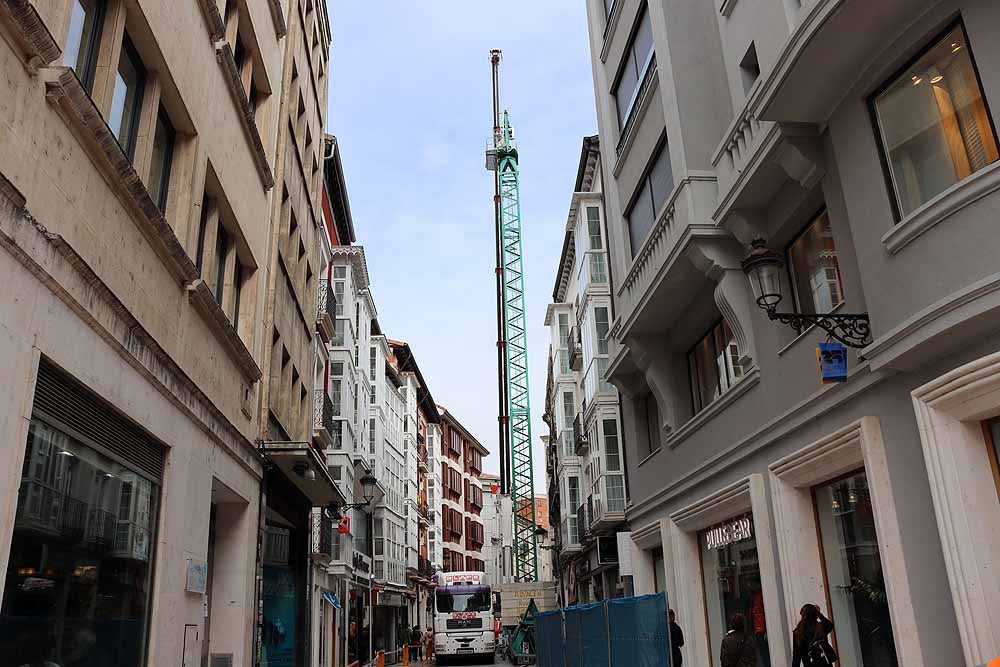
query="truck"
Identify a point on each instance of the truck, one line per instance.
(463, 617)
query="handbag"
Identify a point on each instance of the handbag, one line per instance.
(821, 653)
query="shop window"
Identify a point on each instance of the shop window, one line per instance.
(813, 268)
(933, 123)
(79, 575)
(123, 119)
(659, 570)
(713, 365)
(732, 584)
(859, 606)
(86, 19)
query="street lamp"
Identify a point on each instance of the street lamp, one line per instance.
(762, 267)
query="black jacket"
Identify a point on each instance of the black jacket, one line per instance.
(800, 649)
(676, 641)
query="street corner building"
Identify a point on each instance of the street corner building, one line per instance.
(162, 241)
(851, 149)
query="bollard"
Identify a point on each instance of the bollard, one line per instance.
(406, 656)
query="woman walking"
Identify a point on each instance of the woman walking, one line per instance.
(810, 646)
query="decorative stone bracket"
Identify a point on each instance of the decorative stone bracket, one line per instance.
(719, 259)
(800, 154)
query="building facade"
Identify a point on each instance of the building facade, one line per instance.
(867, 160)
(585, 445)
(138, 331)
(462, 531)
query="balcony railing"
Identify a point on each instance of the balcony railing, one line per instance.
(44, 509)
(321, 536)
(425, 569)
(581, 444)
(575, 349)
(323, 418)
(326, 310)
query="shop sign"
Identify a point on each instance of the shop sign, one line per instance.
(197, 576)
(731, 532)
(361, 562)
(390, 599)
(832, 359)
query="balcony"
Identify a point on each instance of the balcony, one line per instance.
(320, 536)
(423, 513)
(583, 514)
(826, 51)
(422, 459)
(581, 444)
(609, 509)
(575, 349)
(45, 510)
(323, 419)
(326, 311)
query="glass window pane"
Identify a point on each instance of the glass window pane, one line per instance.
(623, 92)
(598, 268)
(815, 272)
(123, 118)
(857, 593)
(612, 453)
(652, 422)
(159, 168)
(221, 249)
(601, 329)
(642, 43)
(661, 178)
(732, 583)
(79, 571)
(594, 228)
(706, 387)
(82, 39)
(934, 124)
(640, 219)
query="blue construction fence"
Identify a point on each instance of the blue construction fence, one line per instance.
(624, 632)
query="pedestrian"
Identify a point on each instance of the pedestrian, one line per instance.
(429, 644)
(737, 650)
(676, 640)
(810, 644)
(415, 642)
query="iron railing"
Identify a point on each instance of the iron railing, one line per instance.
(326, 302)
(321, 536)
(575, 349)
(322, 411)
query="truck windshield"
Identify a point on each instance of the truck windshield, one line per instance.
(463, 598)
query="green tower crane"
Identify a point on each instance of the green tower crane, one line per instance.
(516, 469)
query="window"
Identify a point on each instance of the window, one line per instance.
(130, 79)
(84, 34)
(601, 329)
(159, 168)
(933, 123)
(237, 290)
(80, 556)
(563, 343)
(338, 293)
(612, 453)
(569, 414)
(714, 366)
(199, 259)
(638, 58)
(853, 569)
(221, 250)
(813, 268)
(749, 68)
(594, 228)
(652, 413)
(653, 191)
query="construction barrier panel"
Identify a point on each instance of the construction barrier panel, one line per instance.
(638, 631)
(624, 632)
(549, 639)
(573, 643)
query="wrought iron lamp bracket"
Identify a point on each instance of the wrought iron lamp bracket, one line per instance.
(853, 330)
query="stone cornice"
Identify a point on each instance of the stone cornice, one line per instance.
(280, 25)
(68, 276)
(224, 54)
(216, 25)
(203, 300)
(65, 92)
(38, 48)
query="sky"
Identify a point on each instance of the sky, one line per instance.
(410, 104)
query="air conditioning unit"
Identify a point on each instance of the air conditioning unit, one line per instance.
(221, 660)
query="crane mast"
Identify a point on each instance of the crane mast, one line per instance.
(516, 467)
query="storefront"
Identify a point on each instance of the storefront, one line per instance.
(285, 621)
(732, 583)
(79, 577)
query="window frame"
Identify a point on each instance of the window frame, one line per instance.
(925, 47)
(87, 76)
(720, 324)
(131, 116)
(790, 275)
(641, 71)
(163, 187)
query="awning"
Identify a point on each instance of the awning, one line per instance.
(332, 599)
(296, 460)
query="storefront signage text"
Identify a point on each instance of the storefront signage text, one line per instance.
(361, 562)
(731, 532)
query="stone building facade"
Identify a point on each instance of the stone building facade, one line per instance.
(463, 533)
(867, 159)
(160, 452)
